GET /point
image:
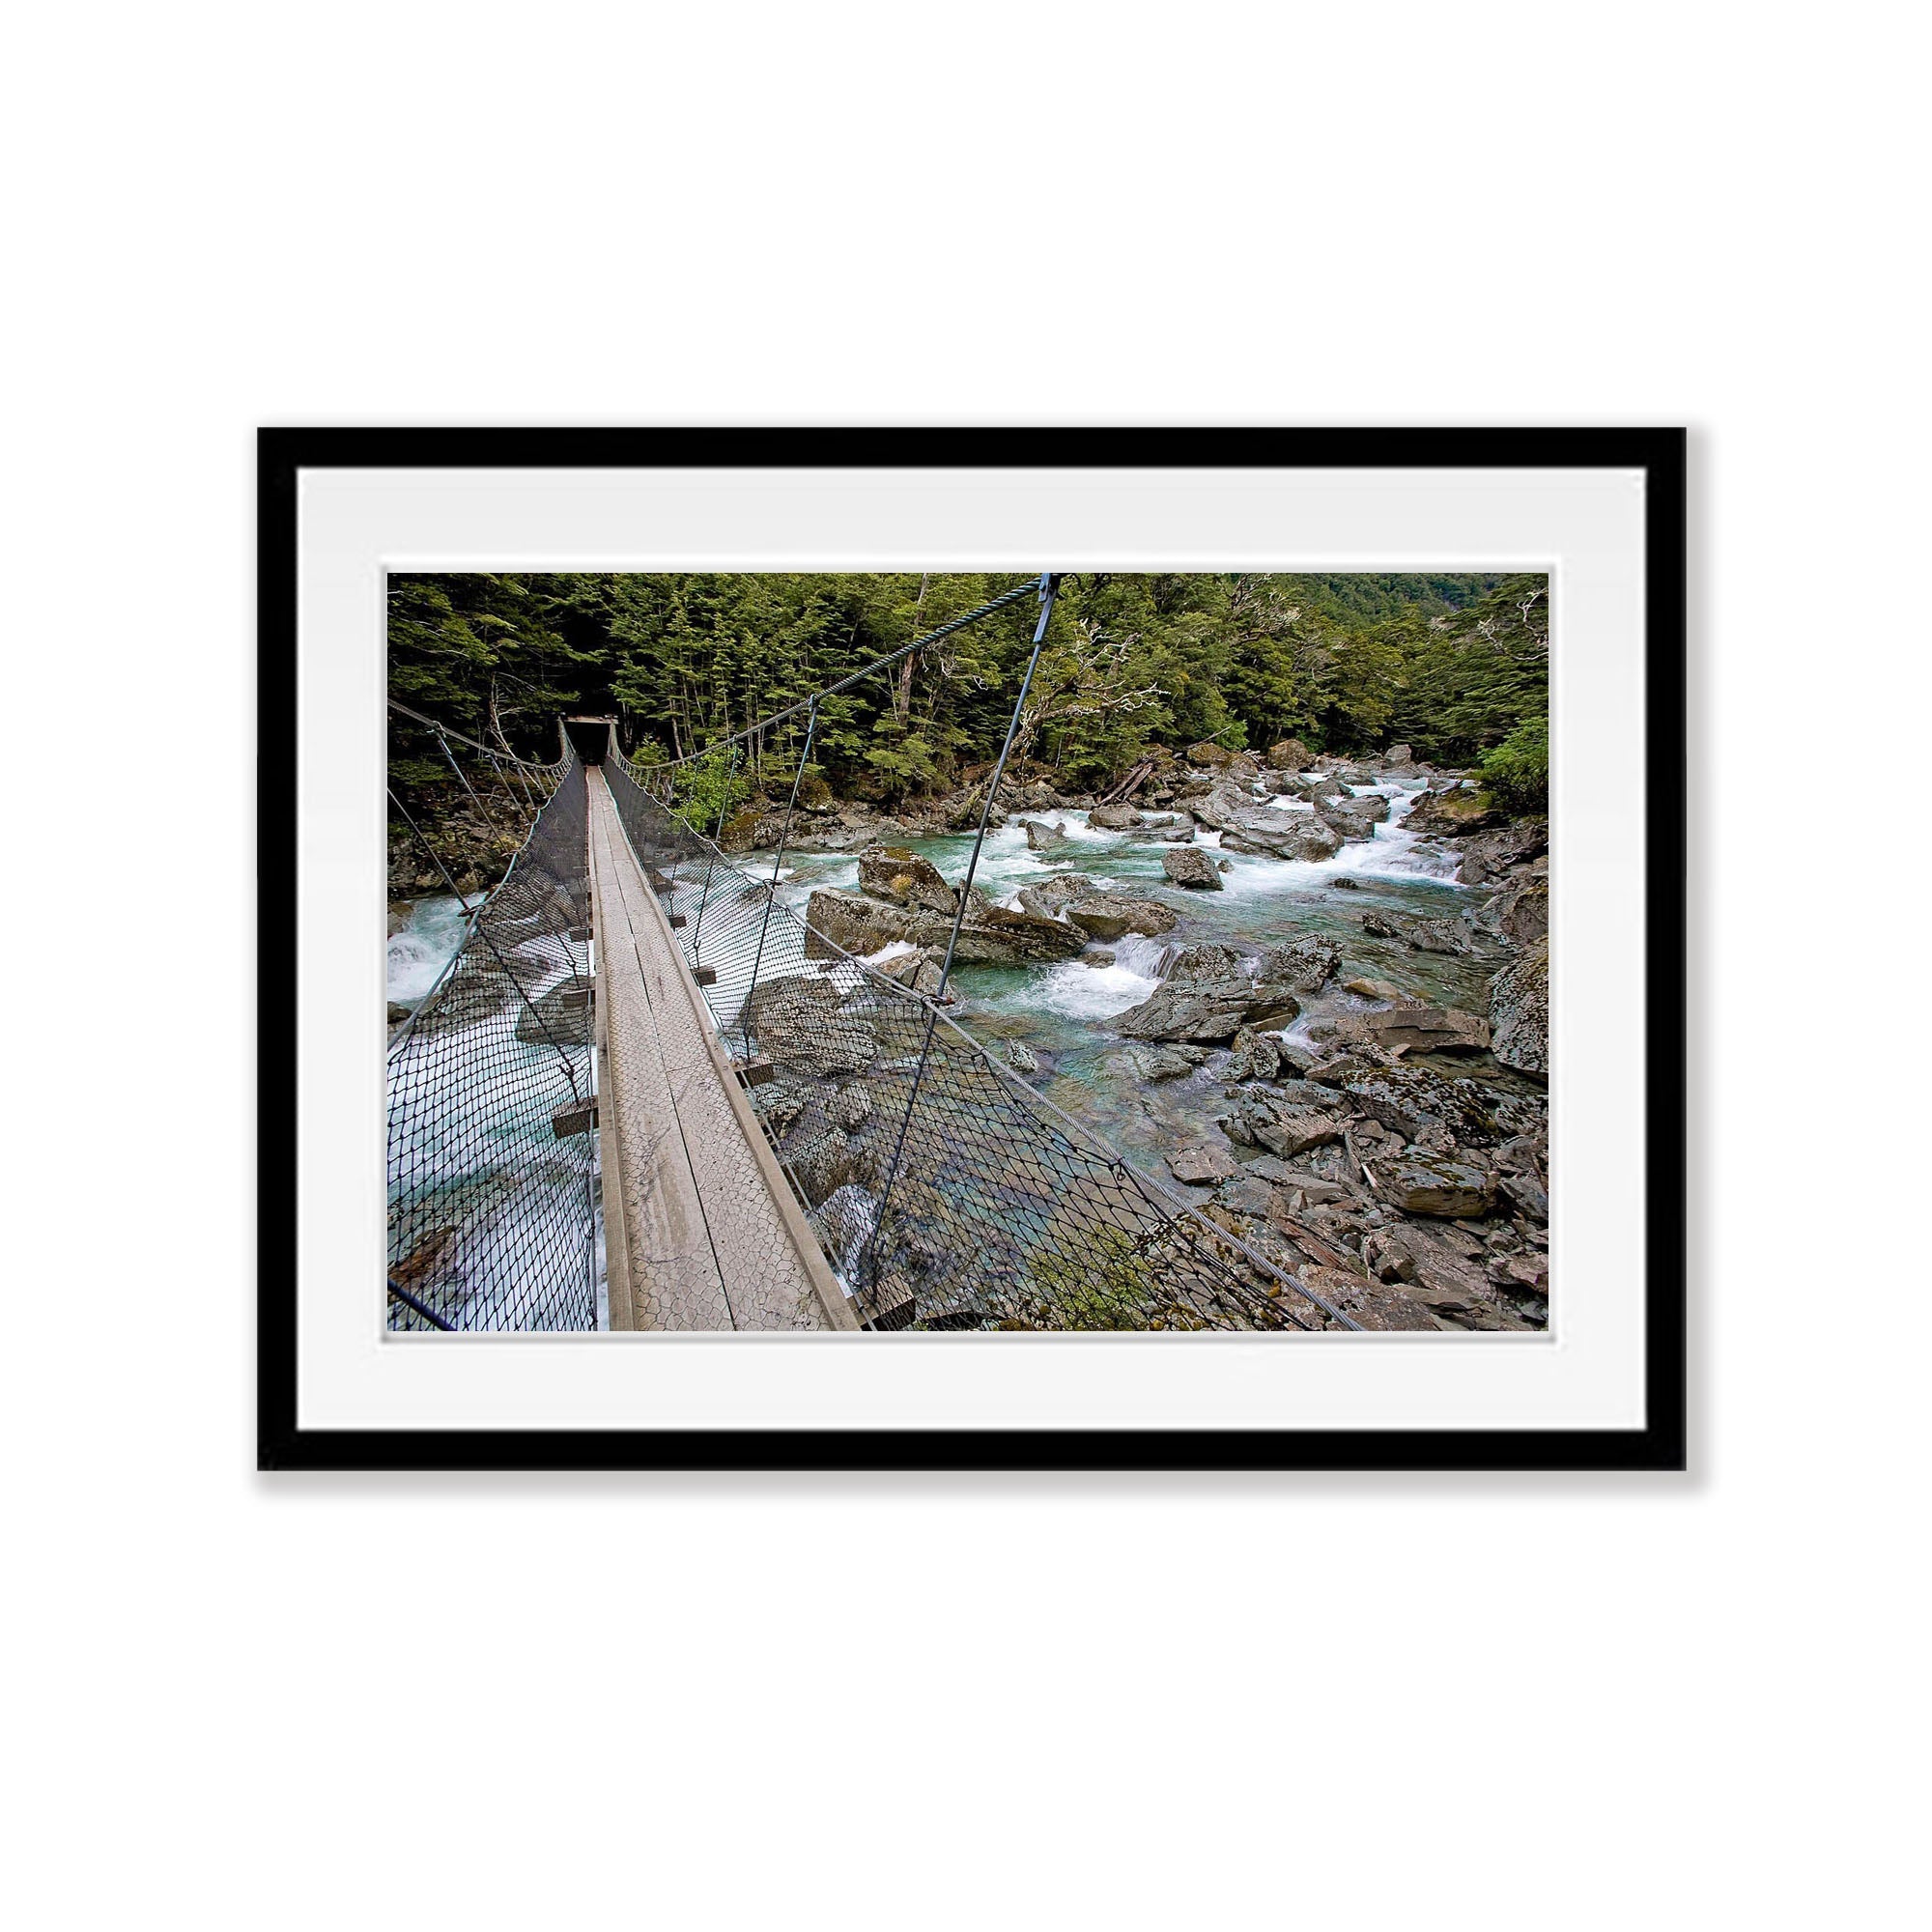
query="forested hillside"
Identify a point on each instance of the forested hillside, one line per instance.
(1453, 666)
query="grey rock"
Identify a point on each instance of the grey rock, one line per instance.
(1449, 1188)
(1114, 817)
(1493, 855)
(1519, 1011)
(1204, 960)
(1207, 1011)
(1354, 818)
(1257, 1056)
(850, 1108)
(1418, 1028)
(1415, 1101)
(1518, 913)
(1244, 1194)
(1019, 1056)
(1307, 964)
(920, 970)
(842, 921)
(1372, 989)
(1425, 935)
(1044, 837)
(1051, 896)
(1431, 1273)
(1198, 1165)
(1114, 915)
(1189, 866)
(799, 1025)
(1525, 1194)
(1165, 1063)
(892, 873)
(559, 1018)
(1291, 1120)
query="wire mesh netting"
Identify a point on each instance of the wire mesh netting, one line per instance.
(491, 1148)
(945, 1192)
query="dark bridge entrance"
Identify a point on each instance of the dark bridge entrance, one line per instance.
(590, 737)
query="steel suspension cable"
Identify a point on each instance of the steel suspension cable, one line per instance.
(1047, 585)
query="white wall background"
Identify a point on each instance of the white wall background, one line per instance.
(1494, 1703)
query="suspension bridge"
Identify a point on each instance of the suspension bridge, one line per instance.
(647, 1094)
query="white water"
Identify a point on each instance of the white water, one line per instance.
(844, 1222)
(1084, 992)
(425, 945)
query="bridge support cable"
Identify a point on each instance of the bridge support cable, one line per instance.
(491, 1148)
(944, 1191)
(1049, 585)
(483, 811)
(778, 861)
(718, 833)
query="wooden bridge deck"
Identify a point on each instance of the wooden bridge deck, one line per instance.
(702, 1231)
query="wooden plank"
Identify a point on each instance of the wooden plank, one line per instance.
(766, 1265)
(674, 1283)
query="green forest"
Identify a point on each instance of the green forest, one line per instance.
(1457, 667)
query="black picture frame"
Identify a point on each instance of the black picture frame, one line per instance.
(1660, 1444)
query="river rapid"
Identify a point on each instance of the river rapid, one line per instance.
(1062, 1011)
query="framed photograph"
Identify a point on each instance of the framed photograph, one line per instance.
(972, 949)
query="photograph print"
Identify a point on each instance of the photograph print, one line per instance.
(931, 954)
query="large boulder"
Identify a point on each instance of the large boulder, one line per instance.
(1201, 1166)
(1290, 753)
(1417, 1029)
(1266, 833)
(892, 873)
(1318, 790)
(1431, 1184)
(1207, 1011)
(1257, 1056)
(1368, 1303)
(1519, 1011)
(1427, 1269)
(1114, 817)
(799, 1024)
(1518, 913)
(1493, 855)
(1354, 818)
(1051, 896)
(1190, 866)
(918, 970)
(1307, 965)
(1044, 837)
(1096, 911)
(1415, 1101)
(994, 933)
(1425, 935)
(1167, 830)
(1450, 815)
(1207, 959)
(1169, 1063)
(1207, 755)
(559, 1018)
(839, 920)
(1111, 916)
(1289, 1120)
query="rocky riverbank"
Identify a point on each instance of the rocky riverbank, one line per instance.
(1357, 1090)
